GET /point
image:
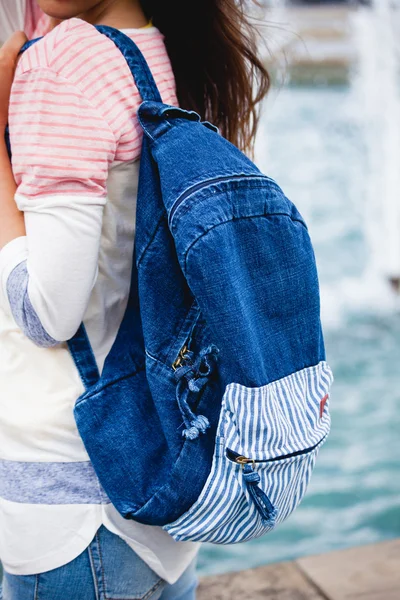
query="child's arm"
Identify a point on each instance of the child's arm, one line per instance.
(12, 223)
(62, 147)
(11, 219)
(61, 151)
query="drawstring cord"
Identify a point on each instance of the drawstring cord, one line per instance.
(191, 378)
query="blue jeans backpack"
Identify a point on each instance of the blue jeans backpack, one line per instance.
(213, 402)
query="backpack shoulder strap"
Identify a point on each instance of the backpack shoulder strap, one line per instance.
(136, 61)
(79, 344)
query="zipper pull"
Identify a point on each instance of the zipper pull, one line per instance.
(243, 460)
(260, 499)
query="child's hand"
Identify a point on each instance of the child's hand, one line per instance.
(8, 62)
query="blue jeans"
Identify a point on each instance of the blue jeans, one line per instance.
(107, 570)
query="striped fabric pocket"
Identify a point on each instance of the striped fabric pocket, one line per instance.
(267, 443)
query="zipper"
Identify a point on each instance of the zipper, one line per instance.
(182, 356)
(252, 479)
(244, 460)
(204, 184)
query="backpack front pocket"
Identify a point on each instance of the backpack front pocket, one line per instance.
(267, 443)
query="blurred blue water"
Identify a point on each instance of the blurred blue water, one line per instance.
(314, 143)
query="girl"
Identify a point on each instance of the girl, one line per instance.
(66, 236)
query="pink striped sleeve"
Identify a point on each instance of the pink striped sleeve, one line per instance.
(73, 112)
(76, 71)
(73, 109)
(60, 142)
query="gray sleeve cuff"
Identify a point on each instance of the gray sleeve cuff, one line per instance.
(22, 310)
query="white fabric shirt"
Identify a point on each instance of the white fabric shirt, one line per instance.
(76, 147)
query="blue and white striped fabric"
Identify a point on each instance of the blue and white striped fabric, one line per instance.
(286, 417)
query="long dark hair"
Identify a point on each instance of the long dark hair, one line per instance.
(213, 50)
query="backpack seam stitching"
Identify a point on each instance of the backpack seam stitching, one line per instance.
(232, 219)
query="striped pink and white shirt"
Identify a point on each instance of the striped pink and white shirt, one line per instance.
(76, 143)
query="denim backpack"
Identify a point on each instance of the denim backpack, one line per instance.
(212, 405)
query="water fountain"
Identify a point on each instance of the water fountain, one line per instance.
(378, 85)
(315, 42)
(356, 44)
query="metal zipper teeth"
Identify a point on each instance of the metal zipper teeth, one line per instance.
(182, 356)
(205, 184)
(246, 460)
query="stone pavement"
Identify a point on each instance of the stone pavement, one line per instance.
(363, 573)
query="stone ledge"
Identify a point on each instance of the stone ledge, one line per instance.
(363, 573)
